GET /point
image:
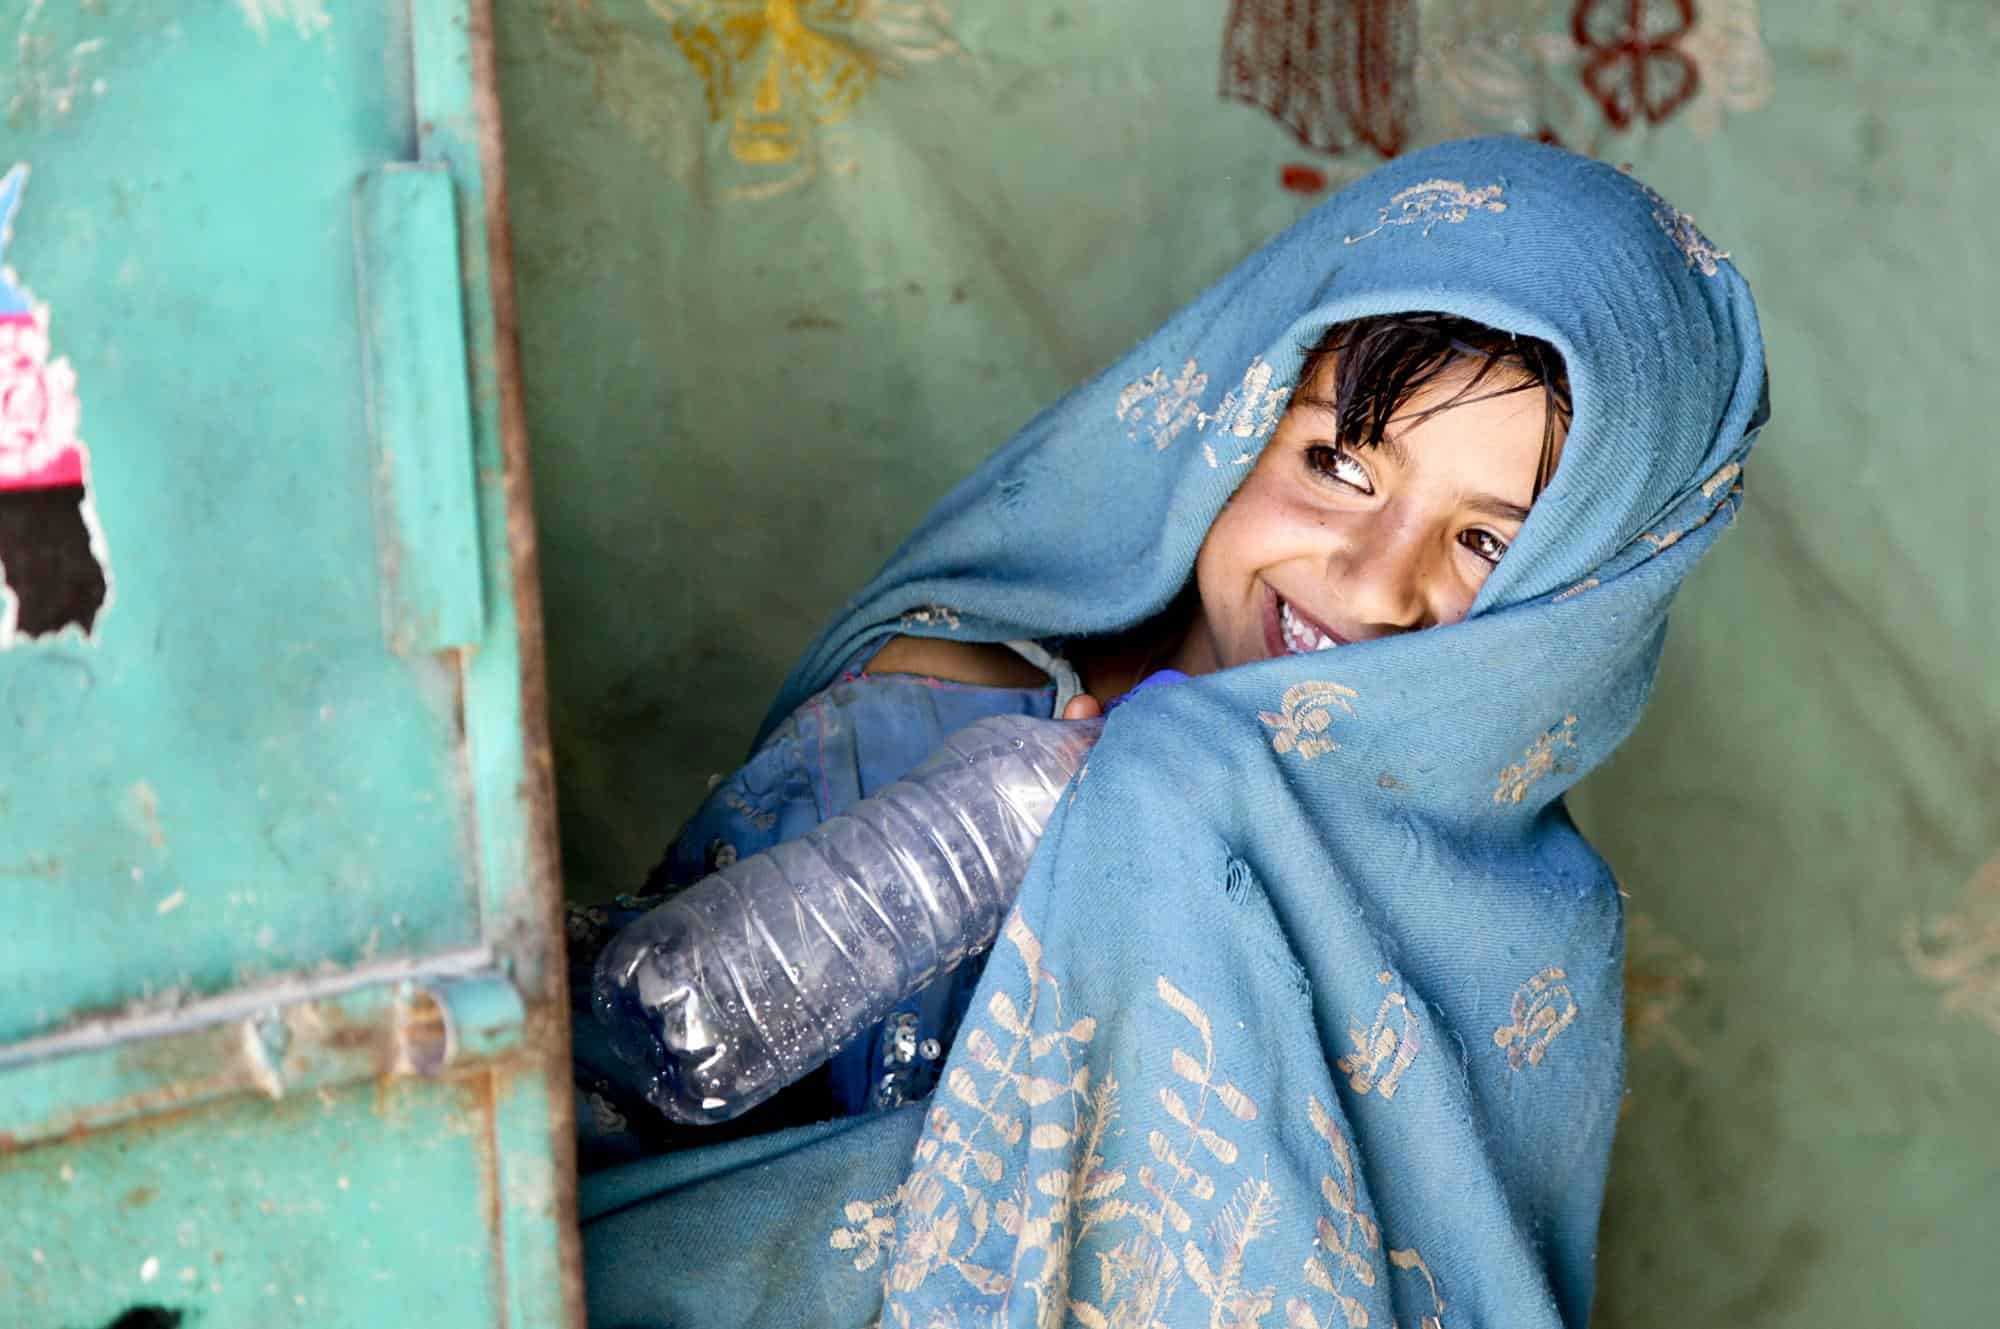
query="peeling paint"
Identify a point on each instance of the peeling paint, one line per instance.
(307, 17)
(146, 810)
(51, 77)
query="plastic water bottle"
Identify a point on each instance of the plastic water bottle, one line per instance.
(757, 974)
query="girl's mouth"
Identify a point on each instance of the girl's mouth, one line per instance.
(1297, 634)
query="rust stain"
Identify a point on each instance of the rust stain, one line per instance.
(1660, 971)
(147, 801)
(140, 1196)
(481, 1098)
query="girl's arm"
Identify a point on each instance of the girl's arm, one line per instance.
(982, 664)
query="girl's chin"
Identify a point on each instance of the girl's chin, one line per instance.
(1196, 655)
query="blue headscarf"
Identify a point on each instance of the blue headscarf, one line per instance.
(1310, 1009)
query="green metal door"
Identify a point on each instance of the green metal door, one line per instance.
(281, 1025)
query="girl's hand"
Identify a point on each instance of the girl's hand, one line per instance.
(1083, 707)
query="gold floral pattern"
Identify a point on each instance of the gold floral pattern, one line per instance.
(1159, 409)
(1543, 1008)
(1387, 1048)
(1179, 1225)
(1305, 715)
(1250, 410)
(1960, 952)
(1543, 755)
(1728, 479)
(932, 616)
(781, 72)
(1701, 252)
(1430, 202)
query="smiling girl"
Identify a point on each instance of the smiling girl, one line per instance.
(1404, 465)
(1309, 1008)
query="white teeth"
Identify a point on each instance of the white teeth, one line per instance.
(1300, 637)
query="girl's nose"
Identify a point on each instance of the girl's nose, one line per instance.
(1387, 584)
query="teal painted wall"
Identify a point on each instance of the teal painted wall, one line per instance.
(749, 372)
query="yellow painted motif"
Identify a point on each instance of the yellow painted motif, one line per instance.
(1305, 715)
(1543, 1008)
(1960, 952)
(1177, 1226)
(1386, 1049)
(778, 73)
(1541, 757)
(1658, 973)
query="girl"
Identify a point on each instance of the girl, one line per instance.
(1309, 1011)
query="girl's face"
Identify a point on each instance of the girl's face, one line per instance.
(1323, 546)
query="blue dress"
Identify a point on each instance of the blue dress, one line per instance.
(837, 747)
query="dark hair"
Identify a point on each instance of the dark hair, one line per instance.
(1381, 363)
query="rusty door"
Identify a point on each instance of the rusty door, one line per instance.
(281, 1034)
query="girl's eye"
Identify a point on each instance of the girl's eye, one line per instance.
(1336, 463)
(1484, 544)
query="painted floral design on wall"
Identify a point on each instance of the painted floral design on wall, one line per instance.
(1960, 950)
(773, 80)
(1660, 974)
(1360, 80)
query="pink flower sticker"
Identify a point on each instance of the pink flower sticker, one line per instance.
(39, 410)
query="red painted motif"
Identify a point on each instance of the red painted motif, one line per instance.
(1634, 66)
(1300, 178)
(1333, 72)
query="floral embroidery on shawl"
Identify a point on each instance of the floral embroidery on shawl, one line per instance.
(1250, 410)
(1162, 409)
(1336, 1263)
(1543, 1008)
(1429, 202)
(1543, 755)
(1304, 716)
(932, 616)
(1729, 474)
(1700, 252)
(949, 1217)
(1386, 1048)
